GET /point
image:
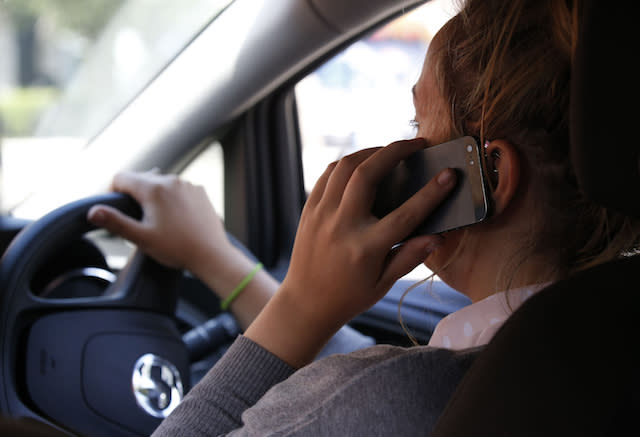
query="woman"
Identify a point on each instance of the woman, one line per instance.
(497, 70)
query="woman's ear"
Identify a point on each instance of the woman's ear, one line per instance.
(503, 170)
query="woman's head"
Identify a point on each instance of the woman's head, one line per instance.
(502, 71)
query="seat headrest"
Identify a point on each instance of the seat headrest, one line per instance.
(605, 147)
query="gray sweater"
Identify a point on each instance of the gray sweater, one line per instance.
(381, 390)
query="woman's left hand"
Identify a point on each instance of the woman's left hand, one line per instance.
(179, 228)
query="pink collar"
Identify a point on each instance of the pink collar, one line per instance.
(475, 325)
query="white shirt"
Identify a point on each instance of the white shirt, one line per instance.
(476, 324)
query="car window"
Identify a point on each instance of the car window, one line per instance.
(362, 97)
(207, 170)
(70, 66)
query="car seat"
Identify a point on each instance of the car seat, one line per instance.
(565, 362)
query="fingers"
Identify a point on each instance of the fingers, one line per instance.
(116, 222)
(138, 185)
(320, 185)
(343, 172)
(350, 186)
(408, 256)
(141, 186)
(359, 194)
(331, 186)
(403, 220)
(368, 165)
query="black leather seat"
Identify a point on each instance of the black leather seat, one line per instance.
(565, 363)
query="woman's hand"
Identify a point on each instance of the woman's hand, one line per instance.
(345, 259)
(181, 229)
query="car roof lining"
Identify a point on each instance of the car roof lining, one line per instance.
(346, 16)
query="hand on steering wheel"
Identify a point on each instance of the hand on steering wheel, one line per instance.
(181, 229)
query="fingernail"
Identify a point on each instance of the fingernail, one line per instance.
(432, 245)
(96, 217)
(446, 177)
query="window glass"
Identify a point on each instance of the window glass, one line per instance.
(208, 170)
(362, 97)
(70, 66)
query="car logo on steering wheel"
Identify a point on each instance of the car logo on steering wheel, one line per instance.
(157, 385)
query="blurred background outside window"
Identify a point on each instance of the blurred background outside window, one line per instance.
(70, 66)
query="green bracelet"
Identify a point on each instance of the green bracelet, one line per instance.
(224, 305)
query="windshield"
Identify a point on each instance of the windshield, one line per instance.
(70, 66)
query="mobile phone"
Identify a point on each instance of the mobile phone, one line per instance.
(468, 203)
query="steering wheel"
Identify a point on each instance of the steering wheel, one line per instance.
(113, 365)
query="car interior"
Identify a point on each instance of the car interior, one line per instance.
(71, 334)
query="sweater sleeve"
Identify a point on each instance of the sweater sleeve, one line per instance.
(346, 340)
(237, 381)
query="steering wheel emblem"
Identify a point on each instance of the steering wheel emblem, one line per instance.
(157, 385)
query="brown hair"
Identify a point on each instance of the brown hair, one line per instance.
(505, 69)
